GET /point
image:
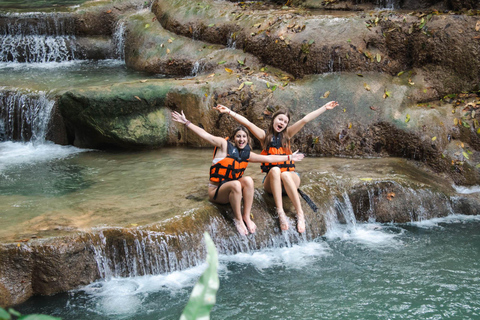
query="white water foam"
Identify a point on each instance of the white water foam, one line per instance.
(466, 190)
(123, 296)
(18, 153)
(369, 234)
(294, 257)
(453, 218)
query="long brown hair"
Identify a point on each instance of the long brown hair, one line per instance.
(244, 129)
(271, 132)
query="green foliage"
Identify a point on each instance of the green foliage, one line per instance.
(203, 296)
(12, 314)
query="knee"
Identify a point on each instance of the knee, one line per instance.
(236, 187)
(285, 176)
(275, 172)
(247, 182)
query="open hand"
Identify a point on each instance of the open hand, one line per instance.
(296, 156)
(330, 105)
(179, 117)
(221, 108)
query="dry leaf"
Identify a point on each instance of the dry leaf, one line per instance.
(326, 94)
(241, 86)
(228, 70)
(169, 40)
(390, 196)
(373, 108)
(110, 11)
(136, 97)
(349, 125)
(477, 26)
(168, 50)
(366, 86)
(143, 81)
(366, 179)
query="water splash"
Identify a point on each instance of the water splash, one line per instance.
(25, 115)
(39, 38)
(118, 40)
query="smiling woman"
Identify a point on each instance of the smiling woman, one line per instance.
(230, 159)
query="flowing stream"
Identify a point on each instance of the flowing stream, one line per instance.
(425, 270)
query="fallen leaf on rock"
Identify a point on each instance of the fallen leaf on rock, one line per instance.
(465, 155)
(373, 108)
(434, 138)
(477, 26)
(407, 118)
(390, 196)
(326, 94)
(228, 70)
(366, 179)
(143, 81)
(110, 11)
(366, 86)
(241, 86)
(138, 98)
(168, 50)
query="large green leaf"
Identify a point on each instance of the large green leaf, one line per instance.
(38, 317)
(204, 293)
(4, 315)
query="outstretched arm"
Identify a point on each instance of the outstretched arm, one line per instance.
(294, 128)
(256, 131)
(216, 141)
(296, 156)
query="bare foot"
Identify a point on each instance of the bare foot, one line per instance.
(282, 218)
(301, 223)
(251, 226)
(240, 227)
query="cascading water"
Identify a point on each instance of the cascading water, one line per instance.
(118, 41)
(25, 116)
(37, 38)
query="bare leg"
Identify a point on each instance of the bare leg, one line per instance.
(231, 192)
(273, 185)
(291, 182)
(247, 192)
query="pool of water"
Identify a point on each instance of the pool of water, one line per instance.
(38, 4)
(69, 74)
(427, 270)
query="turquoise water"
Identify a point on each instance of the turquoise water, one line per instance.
(37, 4)
(427, 270)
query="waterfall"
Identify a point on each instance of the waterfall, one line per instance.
(37, 38)
(24, 116)
(118, 41)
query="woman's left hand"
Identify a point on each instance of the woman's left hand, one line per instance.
(330, 105)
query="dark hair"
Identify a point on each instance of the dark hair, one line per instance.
(271, 132)
(244, 129)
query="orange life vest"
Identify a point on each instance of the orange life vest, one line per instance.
(231, 167)
(275, 147)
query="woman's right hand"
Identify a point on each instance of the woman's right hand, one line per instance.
(179, 117)
(296, 156)
(222, 109)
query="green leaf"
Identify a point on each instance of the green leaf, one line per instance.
(311, 42)
(147, 26)
(400, 73)
(38, 317)
(222, 62)
(204, 293)
(465, 155)
(211, 24)
(407, 118)
(465, 124)
(248, 83)
(477, 166)
(14, 312)
(240, 62)
(273, 88)
(366, 179)
(4, 315)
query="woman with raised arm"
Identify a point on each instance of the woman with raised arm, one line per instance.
(276, 140)
(230, 159)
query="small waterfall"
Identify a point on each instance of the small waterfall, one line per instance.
(231, 42)
(118, 41)
(37, 38)
(25, 116)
